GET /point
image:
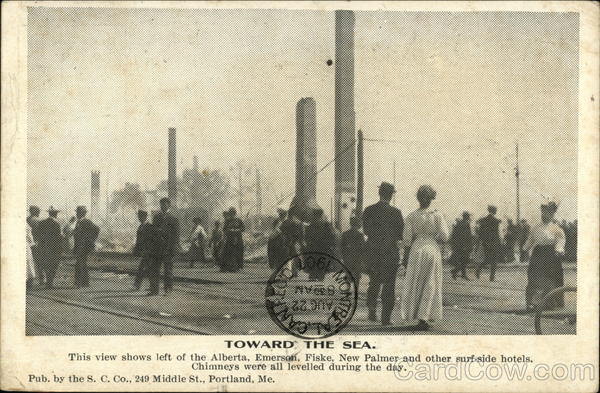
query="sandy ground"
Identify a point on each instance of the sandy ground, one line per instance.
(210, 302)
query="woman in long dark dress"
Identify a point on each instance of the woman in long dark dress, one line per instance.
(546, 243)
(233, 249)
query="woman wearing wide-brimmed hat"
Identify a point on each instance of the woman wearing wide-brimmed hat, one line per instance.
(424, 229)
(546, 243)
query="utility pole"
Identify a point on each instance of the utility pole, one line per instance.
(394, 182)
(258, 198)
(517, 173)
(360, 177)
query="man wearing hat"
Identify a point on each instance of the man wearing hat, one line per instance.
(489, 234)
(462, 245)
(383, 224)
(142, 248)
(84, 237)
(169, 231)
(50, 245)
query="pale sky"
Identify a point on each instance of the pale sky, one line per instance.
(457, 89)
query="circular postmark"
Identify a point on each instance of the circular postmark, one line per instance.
(311, 295)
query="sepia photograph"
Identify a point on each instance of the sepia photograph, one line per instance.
(183, 164)
(300, 196)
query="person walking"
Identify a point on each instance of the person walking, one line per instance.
(33, 222)
(320, 238)
(85, 234)
(462, 245)
(425, 229)
(168, 228)
(50, 245)
(546, 245)
(489, 234)
(352, 248)
(143, 243)
(383, 224)
(233, 247)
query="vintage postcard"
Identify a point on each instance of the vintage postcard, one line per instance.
(300, 196)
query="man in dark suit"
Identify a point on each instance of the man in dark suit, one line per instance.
(169, 231)
(143, 244)
(462, 245)
(84, 239)
(50, 245)
(489, 234)
(383, 224)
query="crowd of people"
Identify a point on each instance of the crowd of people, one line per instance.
(498, 245)
(46, 243)
(377, 244)
(376, 250)
(158, 245)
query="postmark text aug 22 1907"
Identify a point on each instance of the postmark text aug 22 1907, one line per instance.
(311, 296)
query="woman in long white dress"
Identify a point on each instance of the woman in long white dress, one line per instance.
(423, 230)
(29, 256)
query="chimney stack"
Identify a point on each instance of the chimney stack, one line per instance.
(172, 174)
(306, 156)
(345, 149)
(95, 197)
